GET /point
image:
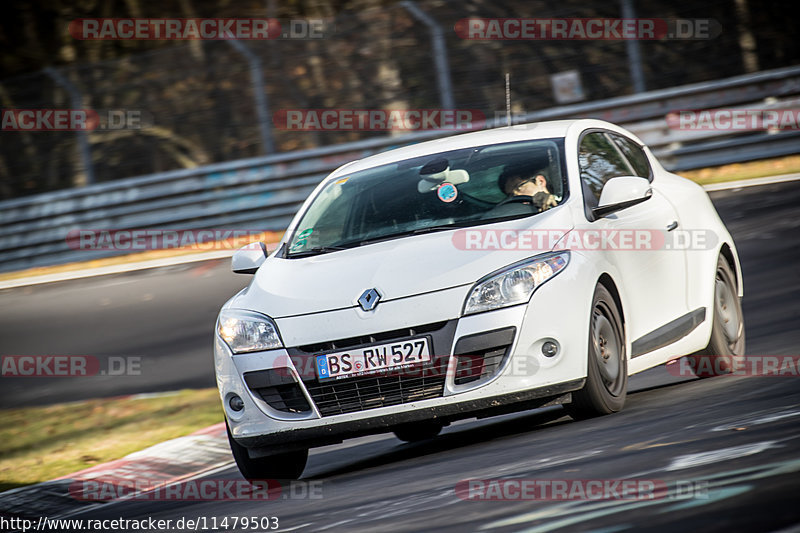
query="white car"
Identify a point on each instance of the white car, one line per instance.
(478, 274)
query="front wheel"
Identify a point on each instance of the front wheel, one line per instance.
(288, 465)
(725, 348)
(607, 373)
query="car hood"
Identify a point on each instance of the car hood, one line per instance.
(396, 268)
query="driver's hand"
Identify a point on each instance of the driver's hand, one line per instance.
(544, 201)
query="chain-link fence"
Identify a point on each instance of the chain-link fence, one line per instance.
(197, 104)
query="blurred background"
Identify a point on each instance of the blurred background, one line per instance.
(200, 100)
(208, 154)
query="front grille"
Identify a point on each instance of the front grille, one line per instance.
(351, 342)
(350, 395)
(370, 392)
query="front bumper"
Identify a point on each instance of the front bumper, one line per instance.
(309, 437)
(526, 379)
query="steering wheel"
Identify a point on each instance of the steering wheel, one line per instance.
(522, 198)
(476, 201)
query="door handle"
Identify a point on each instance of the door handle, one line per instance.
(673, 225)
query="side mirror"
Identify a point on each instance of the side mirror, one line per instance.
(247, 259)
(620, 193)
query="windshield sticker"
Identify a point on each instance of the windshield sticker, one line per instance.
(341, 181)
(302, 239)
(447, 192)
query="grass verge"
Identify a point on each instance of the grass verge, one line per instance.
(742, 171)
(41, 443)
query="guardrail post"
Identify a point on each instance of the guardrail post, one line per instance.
(439, 53)
(76, 101)
(634, 54)
(260, 95)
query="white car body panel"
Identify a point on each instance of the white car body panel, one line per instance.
(424, 279)
(396, 268)
(639, 269)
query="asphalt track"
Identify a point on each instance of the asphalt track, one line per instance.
(164, 317)
(734, 439)
(161, 318)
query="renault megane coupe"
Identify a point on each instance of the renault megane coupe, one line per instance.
(479, 274)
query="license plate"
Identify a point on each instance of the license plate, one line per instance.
(372, 359)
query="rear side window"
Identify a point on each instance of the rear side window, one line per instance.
(634, 154)
(599, 161)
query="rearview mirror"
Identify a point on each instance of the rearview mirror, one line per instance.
(247, 259)
(620, 193)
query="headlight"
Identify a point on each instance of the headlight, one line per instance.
(246, 331)
(514, 284)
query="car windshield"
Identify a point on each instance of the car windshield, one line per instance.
(435, 192)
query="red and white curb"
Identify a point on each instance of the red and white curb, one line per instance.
(165, 463)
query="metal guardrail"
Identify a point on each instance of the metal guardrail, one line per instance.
(263, 193)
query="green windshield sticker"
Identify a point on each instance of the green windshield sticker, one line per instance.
(302, 239)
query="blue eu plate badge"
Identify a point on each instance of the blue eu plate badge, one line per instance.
(322, 366)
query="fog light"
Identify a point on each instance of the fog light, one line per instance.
(550, 349)
(236, 403)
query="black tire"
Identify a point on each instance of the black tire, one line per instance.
(282, 466)
(607, 372)
(727, 343)
(417, 431)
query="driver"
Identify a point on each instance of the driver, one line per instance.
(520, 184)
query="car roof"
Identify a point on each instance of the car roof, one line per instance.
(520, 132)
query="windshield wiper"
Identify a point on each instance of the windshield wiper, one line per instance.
(316, 250)
(439, 227)
(419, 231)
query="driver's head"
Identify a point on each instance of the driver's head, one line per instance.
(519, 184)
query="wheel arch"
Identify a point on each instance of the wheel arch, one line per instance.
(596, 398)
(727, 252)
(608, 282)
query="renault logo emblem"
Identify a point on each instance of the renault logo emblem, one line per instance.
(369, 299)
